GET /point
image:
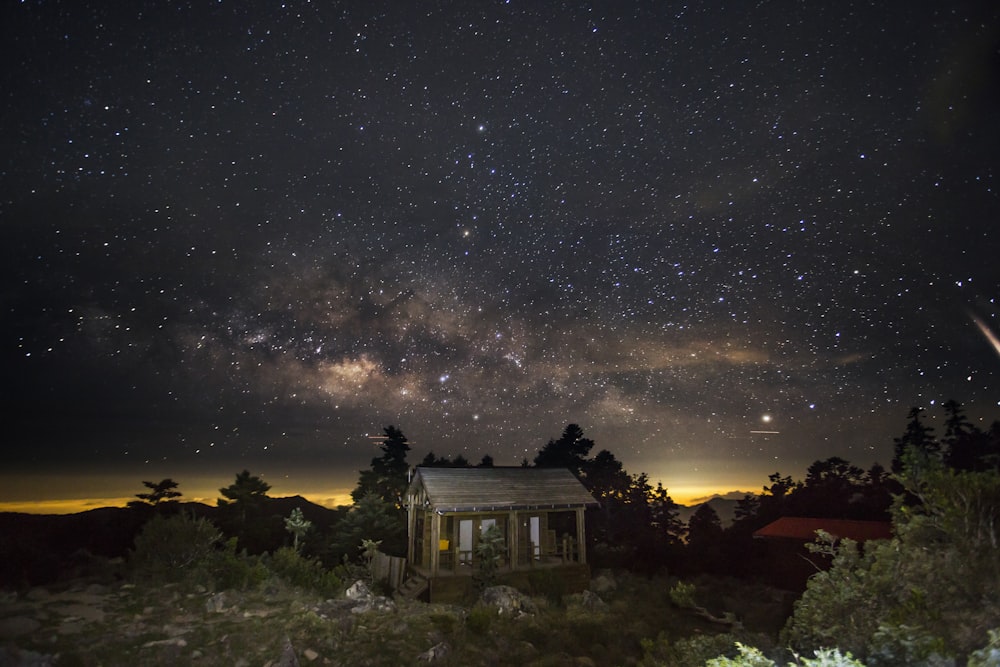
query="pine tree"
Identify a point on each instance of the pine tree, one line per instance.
(387, 476)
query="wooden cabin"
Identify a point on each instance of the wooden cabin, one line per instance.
(540, 512)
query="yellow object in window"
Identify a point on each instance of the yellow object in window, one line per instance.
(443, 545)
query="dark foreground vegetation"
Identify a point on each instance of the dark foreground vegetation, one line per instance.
(260, 580)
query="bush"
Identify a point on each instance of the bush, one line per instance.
(172, 548)
(229, 569)
(479, 619)
(693, 651)
(548, 584)
(752, 657)
(304, 572)
(926, 597)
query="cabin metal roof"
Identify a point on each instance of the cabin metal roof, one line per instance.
(499, 489)
(803, 528)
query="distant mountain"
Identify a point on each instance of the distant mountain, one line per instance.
(724, 507)
(40, 548)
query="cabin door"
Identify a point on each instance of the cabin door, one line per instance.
(418, 545)
(465, 540)
(535, 527)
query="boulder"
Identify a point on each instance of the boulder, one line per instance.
(588, 601)
(377, 603)
(358, 591)
(216, 604)
(603, 583)
(15, 626)
(437, 652)
(288, 656)
(507, 600)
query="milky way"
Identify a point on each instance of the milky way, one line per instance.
(259, 232)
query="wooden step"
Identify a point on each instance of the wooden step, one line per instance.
(412, 587)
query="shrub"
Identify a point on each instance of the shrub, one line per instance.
(752, 657)
(304, 572)
(989, 655)
(479, 619)
(927, 596)
(230, 569)
(548, 584)
(693, 651)
(171, 548)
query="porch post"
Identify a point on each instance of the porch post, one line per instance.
(435, 542)
(512, 533)
(581, 535)
(411, 533)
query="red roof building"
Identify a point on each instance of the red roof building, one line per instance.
(804, 528)
(787, 562)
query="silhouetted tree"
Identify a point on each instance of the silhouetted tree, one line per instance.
(242, 514)
(967, 447)
(370, 518)
(387, 477)
(831, 489)
(432, 461)
(161, 494)
(245, 495)
(876, 493)
(569, 451)
(667, 528)
(486, 462)
(747, 508)
(918, 437)
(704, 538)
(605, 477)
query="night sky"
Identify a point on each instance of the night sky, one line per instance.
(727, 239)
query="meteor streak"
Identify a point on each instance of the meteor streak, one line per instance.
(990, 336)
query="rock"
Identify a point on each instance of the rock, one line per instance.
(38, 595)
(603, 584)
(20, 658)
(216, 604)
(507, 600)
(97, 589)
(179, 642)
(589, 601)
(15, 626)
(310, 654)
(358, 591)
(435, 653)
(380, 604)
(288, 657)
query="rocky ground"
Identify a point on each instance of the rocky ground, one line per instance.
(276, 625)
(124, 624)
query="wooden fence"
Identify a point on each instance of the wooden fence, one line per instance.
(390, 568)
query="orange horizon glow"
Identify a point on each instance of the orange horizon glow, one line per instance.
(77, 505)
(71, 493)
(692, 495)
